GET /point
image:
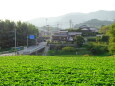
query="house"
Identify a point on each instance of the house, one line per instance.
(62, 35)
(71, 35)
(65, 35)
(43, 35)
(88, 31)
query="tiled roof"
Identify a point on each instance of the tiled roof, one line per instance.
(74, 33)
(59, 35)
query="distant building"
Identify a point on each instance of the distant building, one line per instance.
(62, 35)
(71, 35)
(65, 35)
(88, 31)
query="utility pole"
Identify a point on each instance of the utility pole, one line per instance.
(70, 22)
(15, 38)
(27, 40)
(48, 29)
(72, 25)
(46, 21)
(36, 39)
(36, 43)
(57, 25)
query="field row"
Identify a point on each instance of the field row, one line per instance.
(57, 71)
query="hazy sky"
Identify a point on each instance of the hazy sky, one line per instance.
(29, 9)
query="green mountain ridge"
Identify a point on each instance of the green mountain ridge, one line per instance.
(94, 23)
(76, 18)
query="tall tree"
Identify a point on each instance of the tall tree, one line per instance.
(104, 29)
(7, 33)
(112, 39)
(79, 40)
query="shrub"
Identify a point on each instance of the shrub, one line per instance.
(60, 52)
(91, 39)
(69, 49)
(97, 49)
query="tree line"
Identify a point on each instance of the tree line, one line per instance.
(22, 29)
(108, 37)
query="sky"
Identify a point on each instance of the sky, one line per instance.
(29, 9)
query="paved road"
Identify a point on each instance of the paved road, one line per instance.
(28, 50)
(8, 54)
(32, 49)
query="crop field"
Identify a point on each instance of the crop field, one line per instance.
(57, 71)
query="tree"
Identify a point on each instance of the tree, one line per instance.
(23, 31)
(6, 33)
(105, 38)
(111, 34)
(7, 30)
(104, 29)
(95, 49)
(79, 40)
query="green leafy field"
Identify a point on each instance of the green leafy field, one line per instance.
(57, 71)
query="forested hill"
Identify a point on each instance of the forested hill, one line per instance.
(94, 23)
(76, 18)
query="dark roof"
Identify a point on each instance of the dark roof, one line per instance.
(59, 35)
(84, 26)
